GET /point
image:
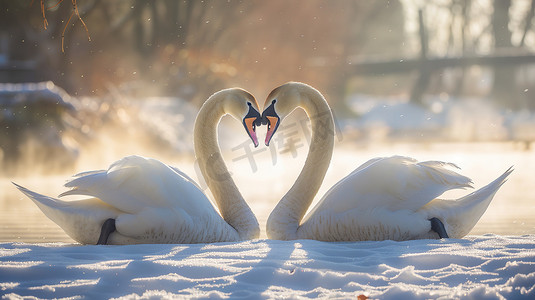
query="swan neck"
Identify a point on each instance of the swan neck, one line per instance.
(228, 198)
(283, 223)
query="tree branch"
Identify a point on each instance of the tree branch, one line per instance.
(527, 26)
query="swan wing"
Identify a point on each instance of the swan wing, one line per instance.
(185, 176)
(393, 183)
(135, 183)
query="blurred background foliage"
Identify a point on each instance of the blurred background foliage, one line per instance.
(190, 49)
(163, 47)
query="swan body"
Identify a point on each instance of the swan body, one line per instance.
(151, 202)
(392, 198)
(141, 195)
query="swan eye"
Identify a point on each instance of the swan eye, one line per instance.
(250, 123)
(272, 119)
(250, 127)
(273, 124)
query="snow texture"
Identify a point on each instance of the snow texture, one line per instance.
(477, 267)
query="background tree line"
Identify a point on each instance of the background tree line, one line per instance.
(192, 48)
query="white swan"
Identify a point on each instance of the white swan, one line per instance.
(385, 198)
(142, 200)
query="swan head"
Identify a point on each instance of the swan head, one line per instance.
(280, 103)
(242, 106)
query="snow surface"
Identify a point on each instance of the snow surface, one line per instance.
(440, 119)
(477, 267)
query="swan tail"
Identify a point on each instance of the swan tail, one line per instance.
(41, 200)
(462, 214)
(485, 194)
(81, 220)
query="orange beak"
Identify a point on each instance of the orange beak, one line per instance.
(272, 126)
(249, 124)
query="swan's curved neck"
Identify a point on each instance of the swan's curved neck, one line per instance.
(229, 200)
(283, 222)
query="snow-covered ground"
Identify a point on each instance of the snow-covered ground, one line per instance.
(478, 267)
(441, 118)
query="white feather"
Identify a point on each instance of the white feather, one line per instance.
(149, 200)
(394, 198)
